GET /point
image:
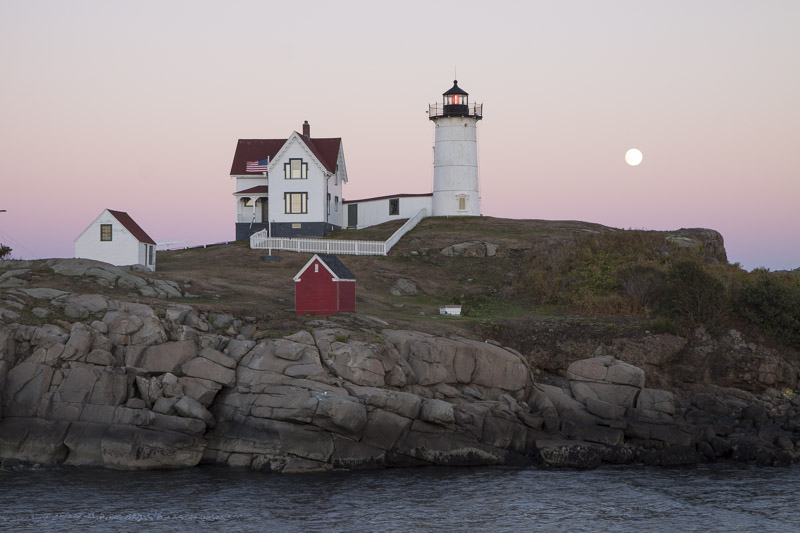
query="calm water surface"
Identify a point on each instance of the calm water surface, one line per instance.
(704, 498)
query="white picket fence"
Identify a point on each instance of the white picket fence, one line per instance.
(261, 241)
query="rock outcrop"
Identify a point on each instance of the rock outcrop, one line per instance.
(123, 385)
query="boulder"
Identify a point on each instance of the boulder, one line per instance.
(121, 323)
(605, 409)
(470, 249)
(83, 442)
(34, 440)
(218, 357)
(285, 403)
(606, 369)
(340, 414)
(404, 287)
(24, 388)
(384, 429)
(80, 306)
(42, 293)
(202, 390)
(437, 412)
(166, 357)
(355, 362)
(203, 368)
(80, 342)
(402, 403)
(191, 408)
(621, 395)
(177, 313)
(658, 404)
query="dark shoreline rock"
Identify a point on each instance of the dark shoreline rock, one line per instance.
(124, 386)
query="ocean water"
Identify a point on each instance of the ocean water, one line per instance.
(721, 497)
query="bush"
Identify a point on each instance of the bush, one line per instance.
(4, 251)
(644, 284)
(773, 303)
(693, 296)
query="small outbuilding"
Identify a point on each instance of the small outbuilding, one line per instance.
(324, 286)
(114, 237)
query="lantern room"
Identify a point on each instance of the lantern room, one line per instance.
(456, 101)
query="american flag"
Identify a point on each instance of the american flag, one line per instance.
(258, 166)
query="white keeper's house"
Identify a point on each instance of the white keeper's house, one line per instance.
(293, 187)
(115, 238)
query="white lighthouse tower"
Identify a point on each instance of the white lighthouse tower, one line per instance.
(455, 154)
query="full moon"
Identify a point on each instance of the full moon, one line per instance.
(633, 157)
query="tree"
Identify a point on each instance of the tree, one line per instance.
(4, 250)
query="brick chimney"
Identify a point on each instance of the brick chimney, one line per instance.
(306, 129)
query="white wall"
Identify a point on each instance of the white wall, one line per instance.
(123, 248)
(335, 189)
(455, 166)
(314, 185)
(373, 212)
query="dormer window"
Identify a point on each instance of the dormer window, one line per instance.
(295, 169)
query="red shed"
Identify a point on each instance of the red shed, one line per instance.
(324, 287)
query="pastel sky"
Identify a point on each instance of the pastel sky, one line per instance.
(137, 106)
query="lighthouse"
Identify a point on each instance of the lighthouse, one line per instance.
(455, 154)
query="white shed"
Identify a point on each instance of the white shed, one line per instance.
(115, 238)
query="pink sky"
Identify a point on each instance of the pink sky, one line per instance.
(137, 106)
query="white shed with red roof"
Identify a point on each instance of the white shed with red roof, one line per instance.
(115, 238)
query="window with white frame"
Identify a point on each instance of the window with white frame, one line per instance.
(295, 169)
(394, 206)
(328, 203)
(336, 203)
(296, 202)
(150, 253)
(462, 203)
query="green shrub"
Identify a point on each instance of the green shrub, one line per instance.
(772, 302)
(692, 295)
(4, 251)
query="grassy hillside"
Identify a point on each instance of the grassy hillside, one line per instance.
(542, 271)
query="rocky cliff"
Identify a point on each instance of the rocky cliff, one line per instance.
(124, 385)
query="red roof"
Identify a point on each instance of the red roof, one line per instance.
(325, 150)
(258, 189)
(131, 225)
(385, 197)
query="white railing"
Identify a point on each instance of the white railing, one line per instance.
(260, 240)
(405, 228)
(169, 244)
